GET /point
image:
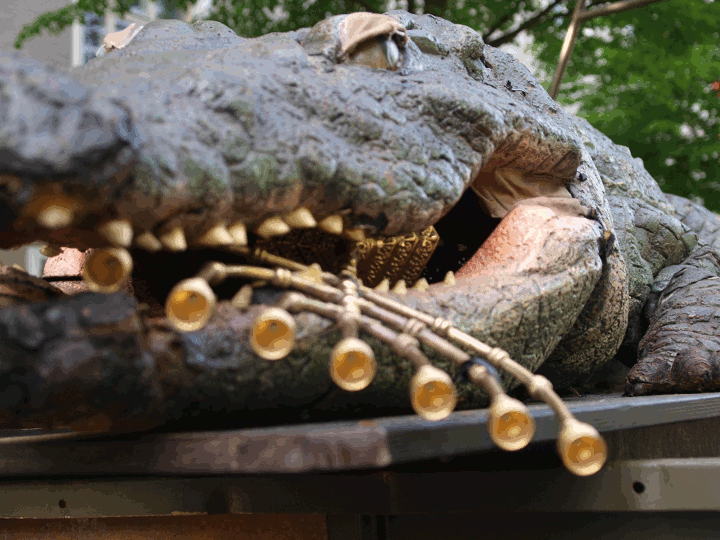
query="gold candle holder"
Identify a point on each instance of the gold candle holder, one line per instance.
(582, 449)
(106, 269)
(273, 334)
(352, 364)
(510, 424)
(432, 393)
(190, 304)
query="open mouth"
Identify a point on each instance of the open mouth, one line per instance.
(110, 255)
(318, 274)
(180, 284)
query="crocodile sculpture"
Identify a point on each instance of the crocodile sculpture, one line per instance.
(189, 143)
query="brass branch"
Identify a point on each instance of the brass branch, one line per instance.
(355, 307)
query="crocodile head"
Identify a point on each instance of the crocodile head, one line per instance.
(345, 142)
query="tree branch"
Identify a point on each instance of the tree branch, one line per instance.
(502, 20)
(567, 48)
(532, 22)
(616, 7)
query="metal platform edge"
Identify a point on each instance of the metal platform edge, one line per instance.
(366, 444)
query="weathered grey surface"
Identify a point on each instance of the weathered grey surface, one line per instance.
(680, 350)
(701, 220)
(194, 124)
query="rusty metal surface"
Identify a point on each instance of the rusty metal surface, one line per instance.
(324, 447)
(623, 486)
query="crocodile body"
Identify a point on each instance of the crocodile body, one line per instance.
(189, 125)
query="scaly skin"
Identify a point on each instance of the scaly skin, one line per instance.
(191, 125)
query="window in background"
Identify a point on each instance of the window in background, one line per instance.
(86, 40)
(93, 32)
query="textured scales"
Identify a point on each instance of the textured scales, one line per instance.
(598, 253)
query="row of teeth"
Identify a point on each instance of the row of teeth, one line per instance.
(119, 232)
(421, 284)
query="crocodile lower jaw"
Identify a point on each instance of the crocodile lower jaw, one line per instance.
(522, 289)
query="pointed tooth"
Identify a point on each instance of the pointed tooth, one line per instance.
(400, 287)
(355, 234)
(50, 251)
(421, 285)
(174, 240)
(273, 226)
(20, 268)
(239, 233)
(300, 219)
(217, 236)
(449, 279)
(313, 273)
(148, 242)
(118, 232)
(383, 286)
(55, 216)
(332, 224)
(242, 298)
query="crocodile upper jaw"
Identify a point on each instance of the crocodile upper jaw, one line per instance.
(187, 129)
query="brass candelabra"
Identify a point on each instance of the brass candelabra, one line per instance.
(356, 308)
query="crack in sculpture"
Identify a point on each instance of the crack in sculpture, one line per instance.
(329, 160)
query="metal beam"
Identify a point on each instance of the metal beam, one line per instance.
(623, 486)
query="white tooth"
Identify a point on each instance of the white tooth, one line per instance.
(449, 279)
(55, 216)
(421, 285)
(383, 286)
(50, 251)
(355, 234)
(118, 232)
(300, 219)
(313, 273)
(273, 226)
(174, 240)
(242, 298)
(20, 268)
(400, 287)
(148, 242)
(332, 224)
(217, 236)
(239, 233)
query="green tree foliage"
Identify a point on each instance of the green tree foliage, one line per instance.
(643, 77)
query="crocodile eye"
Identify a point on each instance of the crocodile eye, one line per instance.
(372, 40)
(391, 50)
(380, 52)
